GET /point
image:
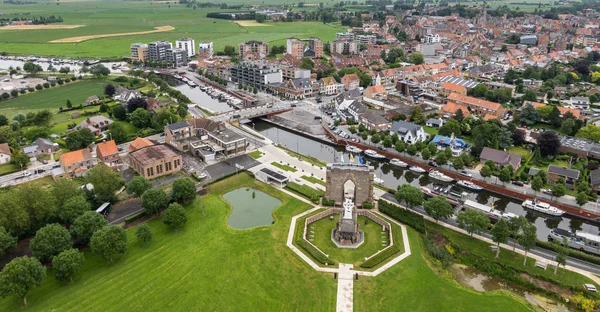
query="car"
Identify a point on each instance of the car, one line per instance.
(293, 105)
(381, 148)
(45, 162)
(343, 123)
(120, 149)
(432, 164)
(39, 170)
(466, 174)
(202, 175)
(162, 134)
(236, 116)
(546, 191)
(318, 118)
(270, 105)
(26, 173)
(590, 287)
(319, 100)
(342, 134)
(56, 165)
(518, 183)
(332, 127)
(338, 131)
(347, 136)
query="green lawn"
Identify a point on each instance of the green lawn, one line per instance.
(413, 286)
(255, 154)
(52, 98)
(284, 167)
(518, 150)
(431, 131)
(313, 180)
(8, 168)
(206, 266)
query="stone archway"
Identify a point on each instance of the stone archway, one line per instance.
(341, 177)
(349, 189)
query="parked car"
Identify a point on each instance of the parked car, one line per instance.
(381, 148)
(343, 123)
(202, 175)
(432, 164)
(546, 191)
(519, 183)
(318, 118)
(26, 173)
(466, 174)
(293, 105)
(37, 171)
(45, 162)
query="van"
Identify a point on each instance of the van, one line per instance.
(236, 116)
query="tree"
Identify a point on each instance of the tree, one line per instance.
(69, 104)
(438, 207)
(393, 55)
(504, 175)
(109, 89)
(175, 216)
(473, 221)
(119, 112)
(135, 103)
(416, 115)
(141, 118)
(229, 50)
(154, 200)
(64, 70)
(144, 234)
(259, 18)
(31, 68)
(63, 189)
(184, 190)
(411, 150)
(138, 186)
(85, 225)
(530, 95)
(452, 126)
(425, 154)
(458, 163)
(375, 138)
(110, 242)
(548, 143)
(459, 115)
(73, 208)
(569, 126)
(416, 58)
(49, 241)
(105, 181)
(479, 90)
(307, 63)
(441, 159)
(19, 276)
(99, 70)
(67, 263)
(411, 195)
(562, 250)
(581, 199)
(554, 117)
(537, 183)
(529, 115)
(117, 132)
(399, 146)
(528, 239)
(515, 226)
(500, 234)
(79, 139)
(589, 132)
(7, 241)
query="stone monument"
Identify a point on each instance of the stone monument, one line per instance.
(345, 180)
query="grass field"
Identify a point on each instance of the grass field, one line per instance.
(206, 266)
(414, 285)
(52, 98)
(313, 180)
(284, 167)
(115, 16)
(255, 154)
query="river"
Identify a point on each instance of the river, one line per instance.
(393, 177)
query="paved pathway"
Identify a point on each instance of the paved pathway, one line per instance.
(345, 289)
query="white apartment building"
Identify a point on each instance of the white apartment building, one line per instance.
(206, 49)
(188, 45)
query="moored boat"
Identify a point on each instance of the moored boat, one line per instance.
(353, 149)
(434, 174)
(417, 169)
(373, 154)
(432, 192)
(490, 212)
(469, 185)
(542, 207)
(398, 163)
(378, 180)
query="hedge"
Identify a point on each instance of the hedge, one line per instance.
(134, 217)
(405, 216)
(306, 191)
(315, 253)
(327, 203)
(367, 205)
(572, 252)
(380, 257)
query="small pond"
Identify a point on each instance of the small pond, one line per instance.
(250, 208)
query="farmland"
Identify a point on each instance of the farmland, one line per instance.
(112, 17)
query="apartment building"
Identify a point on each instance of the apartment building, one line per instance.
(348, 36)
(316, 45)
(187, 44)
(108, 153)
(299, 48)
(157, 51)
(290, 72)
(205, 49)
(294, 48)
(139, 52)
(255, 74)
(253, 50)
(366, 39)
(343, 47)
(179, 57)
(155, 161)
(179, 135)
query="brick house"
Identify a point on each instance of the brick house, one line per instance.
(351, 81)
(570, 175)
(500, 158)
(155, 161)
(108, 153)
(76, 163)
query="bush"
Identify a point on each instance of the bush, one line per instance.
(315, 253)
(60, 82)
(367, 205)
(572, 252)
(46, 85)
(405, 216)
(327, 203)
(67, 80)
(380, 257)
(39, 87)
(134, 217)
(306, 191)
(436, 252)
(30, 89)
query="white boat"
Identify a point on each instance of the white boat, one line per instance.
(373, 154)
(582, 241)
(490, 212)
(470, 185)
(353, 149)
(398, 163)
(434, 174)
(542, 207)
(417, 169)
(378, 180)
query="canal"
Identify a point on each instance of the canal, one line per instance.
(198, 96)
(393, 177)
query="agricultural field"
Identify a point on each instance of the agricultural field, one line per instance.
(53, 98)
(206, 266)
(117, 17)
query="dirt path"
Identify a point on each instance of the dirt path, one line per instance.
(84, 38)
(31, 27)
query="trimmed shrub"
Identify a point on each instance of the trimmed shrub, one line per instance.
(367, 205)
(405, 216)
(380, 257)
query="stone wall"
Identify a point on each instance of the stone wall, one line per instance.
(338, 174)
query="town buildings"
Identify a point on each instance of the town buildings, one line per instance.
(41, 147)
(500, 158)
(299, 48)
(108, 153)
(157, 51)
(5, 153)
(179, 135)
(96, 124)
(139, 52)
(255, 74)
(188, 45)
(205, 50)
(345, 47)
(409, 132)
(569, 175)
(155, 161)
(351, 81)
(253, 50)
(76, 163)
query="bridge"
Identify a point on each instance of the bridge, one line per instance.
(251, 112)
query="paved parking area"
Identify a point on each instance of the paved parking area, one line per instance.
(228, 167)
(192, 163)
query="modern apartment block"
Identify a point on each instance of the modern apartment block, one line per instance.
(139, 52)
(187, 44)
(344, 36)
(157, 51)
(299, 48)
(343, 47)
(205, 49)
(366, 39)
(292, 72)
(179, 57)
(253, 50)
(255, 74)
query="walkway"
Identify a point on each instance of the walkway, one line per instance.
(345, 290)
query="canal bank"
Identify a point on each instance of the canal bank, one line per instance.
(393, 177)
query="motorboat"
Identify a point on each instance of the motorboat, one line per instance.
(432, 193)
(398, 163)
(537, 205)
(469, 185)
(353, 149)
(490, 212)
(378, 180)
(581, 240)
(434, 174)
(417, 169)
(373, 154)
